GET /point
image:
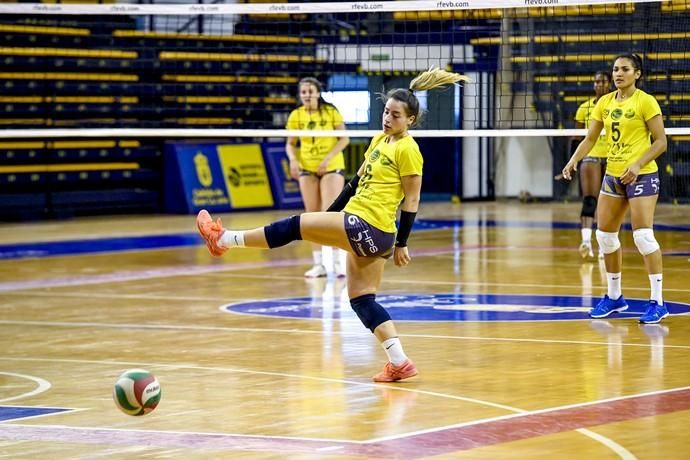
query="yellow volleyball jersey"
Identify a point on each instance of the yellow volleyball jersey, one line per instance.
(312, 150)
(627, 134)
(380, 190)
(583, 115)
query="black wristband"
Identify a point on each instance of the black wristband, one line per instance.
(345, 195)
(404, 228)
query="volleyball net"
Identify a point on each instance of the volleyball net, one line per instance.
(129, 71)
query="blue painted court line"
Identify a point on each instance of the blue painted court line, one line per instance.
(101, 245)
(20, 412)
(94, 246)
(450, 223)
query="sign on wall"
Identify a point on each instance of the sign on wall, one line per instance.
(226, 177)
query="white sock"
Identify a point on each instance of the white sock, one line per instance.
(394, 350)
(586, 235)
(342, 258)
(656, 283)
(232, 239)
(318, 258)
(326, 257)
(614, 284)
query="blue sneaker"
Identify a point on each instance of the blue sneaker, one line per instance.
(606, 306)
(654, 313)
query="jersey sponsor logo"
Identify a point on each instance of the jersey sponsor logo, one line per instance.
(616, 114)
(447, 307)
(374, 155)
(364, 237)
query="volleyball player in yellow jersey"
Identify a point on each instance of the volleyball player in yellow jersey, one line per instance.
(629, 116)
(317, 163)
(592, 166)
(362, 218)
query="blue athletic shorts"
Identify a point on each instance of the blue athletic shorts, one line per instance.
(367, 240)
(645, 185)
(304, 172)
(599, 160)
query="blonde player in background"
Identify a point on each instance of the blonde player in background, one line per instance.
(362, 218)
(318, 164)
(630, 116)
(592, 166)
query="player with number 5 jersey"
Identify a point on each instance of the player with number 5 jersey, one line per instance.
(627, 134)
(630, 117)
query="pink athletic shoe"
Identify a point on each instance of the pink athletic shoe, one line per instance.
(211, 232)
(391, 373)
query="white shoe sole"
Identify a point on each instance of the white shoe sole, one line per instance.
(619, 309)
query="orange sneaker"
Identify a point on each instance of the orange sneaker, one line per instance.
(211, 232)
(391, 373)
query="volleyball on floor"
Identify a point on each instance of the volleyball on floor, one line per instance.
(137, 392)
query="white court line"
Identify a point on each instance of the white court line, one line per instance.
(251, 371)
(608, 442)
(18, 288)
(164, 327)
(43, 385)
(621, 451)
(522, 413)
(519, 285)
(202, 433)
(99, 295)
(153, 273)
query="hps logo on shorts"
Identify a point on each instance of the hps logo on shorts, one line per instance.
(364, 239)
(447, 307)
(365, 242)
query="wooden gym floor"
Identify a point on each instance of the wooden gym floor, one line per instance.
(256, 362)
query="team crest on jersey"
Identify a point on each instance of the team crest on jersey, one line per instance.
(385, 161)
(616, 114)
(629, 114)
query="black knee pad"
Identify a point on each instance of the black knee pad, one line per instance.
(370, 313)
(589, 206)
(282, 232)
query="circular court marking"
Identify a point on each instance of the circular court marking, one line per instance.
(447, 307)
(43, 385)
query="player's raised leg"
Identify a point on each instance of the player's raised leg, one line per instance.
(326, 228)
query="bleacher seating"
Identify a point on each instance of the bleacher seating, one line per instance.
(121, 75)
(65, 178)
(93, 72)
